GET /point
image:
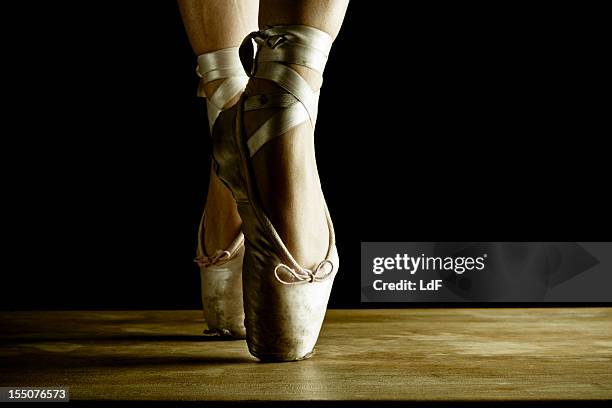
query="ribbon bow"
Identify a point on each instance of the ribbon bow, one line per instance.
(304, 275)
(247, 53)
(218, 257)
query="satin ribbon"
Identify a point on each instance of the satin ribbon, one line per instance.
(304, 275)
(307, 46)
(218, 257)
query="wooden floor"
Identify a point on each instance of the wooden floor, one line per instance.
(387, 355)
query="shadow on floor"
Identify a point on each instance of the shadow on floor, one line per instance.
(57, 363)
(93, 338)
(26, 353)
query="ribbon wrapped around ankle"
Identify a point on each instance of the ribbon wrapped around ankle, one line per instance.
(217, 258)
(295, 44)
(303, 275)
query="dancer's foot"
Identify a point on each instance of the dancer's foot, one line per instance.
(220, 250)
(264, 151)
(288, 181)
(222, 83)
(222, 222)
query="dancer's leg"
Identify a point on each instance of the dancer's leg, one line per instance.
(285, 168)
(213, 25)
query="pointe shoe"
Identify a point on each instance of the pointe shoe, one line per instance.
(221, 287)
(285, 303)
(221, 272)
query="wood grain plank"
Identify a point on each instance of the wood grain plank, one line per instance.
(392, 355)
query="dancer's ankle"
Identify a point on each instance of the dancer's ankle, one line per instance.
(211, 87)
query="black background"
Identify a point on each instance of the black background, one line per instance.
(438, 122)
